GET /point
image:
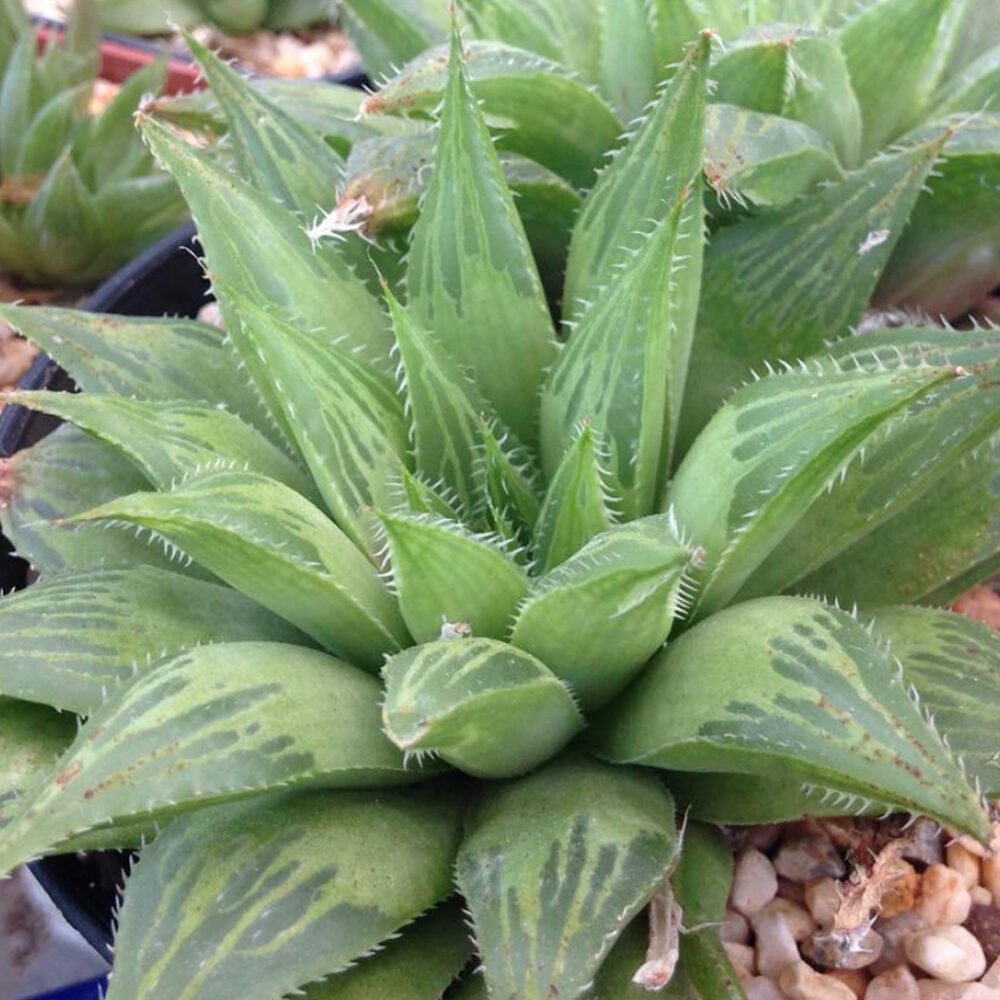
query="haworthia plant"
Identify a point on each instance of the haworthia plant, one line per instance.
(507, 483)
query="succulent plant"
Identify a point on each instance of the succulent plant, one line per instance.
(391, 607)
(142, 17)
(79, 195)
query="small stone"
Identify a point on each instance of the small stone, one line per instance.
(923, 842)
(735, 928)
(856, 980)
(794, 892)
(806, 858)
(991, 977)
(754, 882)
(895, 933)
(964, 862)
(763, 837)
(943, 896)
(741, 957)
(930, 989)
(948, 953)
(802, 983)
(990, 876)
(776, 946)
(902, 894)
(798, 918)
(896, 984)
(981, 896)
(984, 925)
(762, 988)
(841, 950)
(823, 900)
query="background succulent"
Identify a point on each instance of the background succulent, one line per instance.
(420, 555)
(78, 193)
(155, 17)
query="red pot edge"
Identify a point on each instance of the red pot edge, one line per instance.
(120, 60)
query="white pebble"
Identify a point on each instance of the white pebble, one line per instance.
(991, 876)
(823, 900)
(800, 982)
(896, 984)
(776, 945)
(944, 898)
(964, 862)
(948, 953)
(741, 957)
(762, 988)
(755, 883)
(981, 896)
(930, 989)
(799, 921)
(735, 928)
(806, 858)
(992, 976)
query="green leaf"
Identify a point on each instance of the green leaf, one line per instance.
(769, 454)
(509, 481)
(64, 474)
(969, 28)
(470, 259)
(278, 155)
(701, 883)
(625, 365)
(168, 442)
(346, 418)
(250, 901)
(811, 697)
(389, 33)
(161, 359)
(948, 257)
(140, 17)
(20, 96)
(445, 407)
(213, 723)
(536, 107)
(641, 186)
(596, 619)
(254, 245)
(409, 494)
(47, 135)
(780, 285)
(485, 707)
(930, 441)
(578, 504)
(553, 868)
(781, 70)
(890, 50)
(629, 71)
(31, 738)
(277, 548)
(418, 965)
(976, 88)
(442, 573)
(954, 664)
(69, 640)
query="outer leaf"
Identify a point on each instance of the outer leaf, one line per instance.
(259, 248)
(763, 159)
(164, 359)
(642, 185)
(624, 367)
(577, 505)
(948, 260)
(954, 664)
(278, 549)
(485, 707)
(442, 573)
(536, 107)
(701, 885)
(213, 723)
(930, 442)
(64, 474)
(780, 285)
(811, 697)
(598, 618)
(553, 868)
(31, 738)
(66, 642)
(417, 966)
(277, 154)
(346, 419)
(768, 455)
(889, 47)
(445, 408)
(470, 258)
(789, 72)
(170, 441)
(391, 33)
(629, 71)
(249, 901)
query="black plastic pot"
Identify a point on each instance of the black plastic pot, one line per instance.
(165, 280)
